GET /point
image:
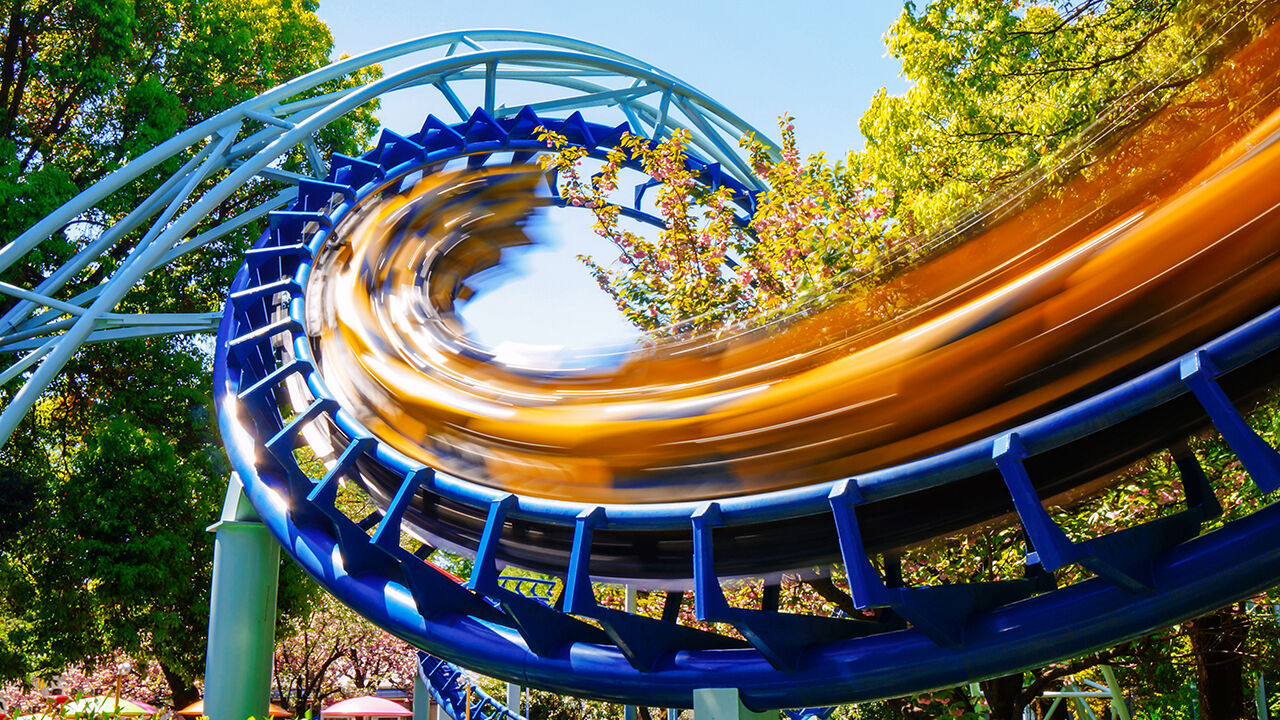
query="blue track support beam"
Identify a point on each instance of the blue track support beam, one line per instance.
(1053, 549)
(1123, 557)
(1149, 575)
(940, 612)
(579, 597)
(644, 641)
(782, 638)
(387, 536)
(865, 585)
(1195, 485)
(1260, 459)
(484, 571)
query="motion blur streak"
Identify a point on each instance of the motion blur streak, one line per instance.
(1161, 239)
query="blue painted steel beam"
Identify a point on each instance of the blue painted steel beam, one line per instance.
(1152, 574)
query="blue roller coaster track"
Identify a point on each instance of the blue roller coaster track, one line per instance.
(450, 687)
(463, 698)
(273, 401)
(1148, 575)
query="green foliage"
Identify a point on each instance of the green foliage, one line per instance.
(815, 224)
(127, 553)
(115, 555)
(1002, 91)
(121, 454)
(20, 493)
(999, 86)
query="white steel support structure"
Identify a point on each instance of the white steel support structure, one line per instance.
(42, 325)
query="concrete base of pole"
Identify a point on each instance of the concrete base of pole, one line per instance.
(242, 612)
(723, 704)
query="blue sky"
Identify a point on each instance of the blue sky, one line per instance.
(819, 61)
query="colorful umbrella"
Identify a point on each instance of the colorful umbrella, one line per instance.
(197, 708)
(107, 705)
(367, 706)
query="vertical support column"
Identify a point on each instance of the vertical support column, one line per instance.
(421, 698)
(242, 612)
(514, 692)
(1260, 697)
(629, 599)
(723, 704)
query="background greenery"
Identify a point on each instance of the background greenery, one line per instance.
(106, 489)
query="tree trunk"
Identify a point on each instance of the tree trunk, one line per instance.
(1002, 696)
(1217, 643)
(184, 691)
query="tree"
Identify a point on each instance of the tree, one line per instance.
(125, 461)
(115, 673)
(333, 653)
(1000, 86)
(817, 224)
(1003, 92)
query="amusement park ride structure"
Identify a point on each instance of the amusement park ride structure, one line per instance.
(274, 398)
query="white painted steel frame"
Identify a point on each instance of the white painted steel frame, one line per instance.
(45, 326)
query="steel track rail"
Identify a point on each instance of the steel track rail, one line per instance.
(1148, 576)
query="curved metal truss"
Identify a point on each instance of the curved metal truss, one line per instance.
(1146, 576)
(273, 402)
(43, 324)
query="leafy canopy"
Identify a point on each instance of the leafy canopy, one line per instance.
(119, 465)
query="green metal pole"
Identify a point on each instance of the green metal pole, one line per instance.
(1260, 697)
(421, 698)
(242, 612)
(1118, 705)
(629, 595)
(724, 704)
